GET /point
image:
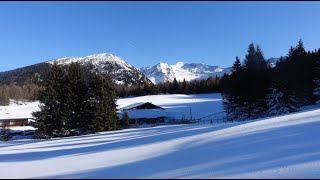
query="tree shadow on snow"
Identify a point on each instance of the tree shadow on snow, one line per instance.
(143, 138)
(250, 152)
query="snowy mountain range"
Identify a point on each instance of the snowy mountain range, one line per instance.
(120, 71)
(106, 64)
(163, 72)
(272, 61)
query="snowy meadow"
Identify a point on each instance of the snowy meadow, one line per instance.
(278, 147)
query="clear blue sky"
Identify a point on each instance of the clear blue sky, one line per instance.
(145, 33)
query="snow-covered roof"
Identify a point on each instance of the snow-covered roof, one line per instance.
(132, 105)
(20, 118)
(138, 104)
(144, 113)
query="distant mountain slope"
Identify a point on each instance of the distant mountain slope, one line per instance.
(28, 74)
(119, 70)
(272, 61)
(163, 72)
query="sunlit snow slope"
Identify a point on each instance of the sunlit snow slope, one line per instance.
(280, 147)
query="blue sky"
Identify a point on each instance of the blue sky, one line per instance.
(145, 33)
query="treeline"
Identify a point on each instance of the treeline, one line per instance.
(27, 92)
(210, 85)
(30, 92)
(255, 90)
(74, 102)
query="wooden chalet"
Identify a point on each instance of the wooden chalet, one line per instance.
(14, 122)
(144, 112)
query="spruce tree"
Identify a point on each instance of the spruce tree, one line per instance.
(125, 120)
(316, 76)
(246, 90)
(101, 105)
(236, 65)
(76, 90)
(5, 134)
(51, 117)
(280, 100)
(251, 59)
(301, 84)
(262, 63)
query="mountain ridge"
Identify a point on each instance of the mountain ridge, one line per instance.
(122, 72)
(106, 64)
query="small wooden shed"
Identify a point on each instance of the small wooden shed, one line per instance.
(144, 112)
(13, 122)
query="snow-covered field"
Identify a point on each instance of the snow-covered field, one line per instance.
(281, 147)
(177, 105)
(18, 109)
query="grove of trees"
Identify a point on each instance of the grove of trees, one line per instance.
(256, 90)
(75, 101)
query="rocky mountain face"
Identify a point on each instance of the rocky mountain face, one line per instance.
(163, 72)
(106, 64)
(120, 71)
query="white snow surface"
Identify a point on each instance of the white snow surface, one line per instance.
(101, 62)
(279, 147)
(18, 110)
(94, 59)
(163, 72)
(22, 128)
(176, 105)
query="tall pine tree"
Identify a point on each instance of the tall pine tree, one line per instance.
(100, 105)
(76, 95)
(51, 117)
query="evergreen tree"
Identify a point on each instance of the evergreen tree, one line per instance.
(125, 120)
(255, 59)
(76, 90)
(184, 86)
(300, 50)
(51, 116)
(174, 87)
(316, 76)
(245, 92)
(251, 59)
(5, 134)
(100, 108)
(301, 84)
(236, 65)
(262, 63)
(280, 101)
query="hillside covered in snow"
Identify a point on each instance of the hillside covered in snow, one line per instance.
(176, 105)
(277, 147)
(163, 72)
(106, 64)
(120, 71)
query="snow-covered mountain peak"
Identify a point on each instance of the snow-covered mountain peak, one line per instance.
(180, 64)
(94, 59)
(106, 63)
(163, 72)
